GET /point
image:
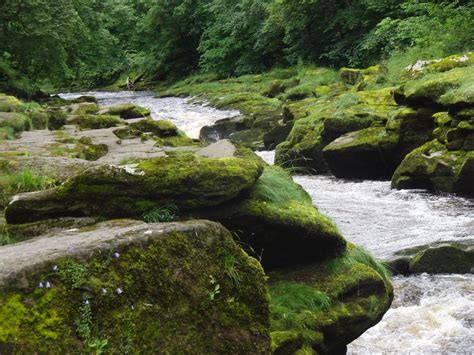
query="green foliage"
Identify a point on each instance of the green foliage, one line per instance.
(292, 304)
(276, 186)
(356, 254)
(163, 214)
(84, 322)
(73, 274)
(12, 183)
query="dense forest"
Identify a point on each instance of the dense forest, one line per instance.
(89, 43)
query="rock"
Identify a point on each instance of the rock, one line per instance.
(364, 154)
(327, 120)
(323, 307)
(179, 287)
(361, 77)
(125, 111)
(423, 67)
(83, 108)
(85, 121)
(450, 89)
(185, 180)
(221, 149)
(438, 258)
(222, 129)
(85, 98)
(159, 128)
(277, 134)
(433, 167)
(277, 220)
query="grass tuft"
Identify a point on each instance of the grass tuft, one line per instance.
(163, 214)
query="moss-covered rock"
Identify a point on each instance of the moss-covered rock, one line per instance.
(159, 128)
(19, 122)
(328, 119)
(126, 286)
(126, 111)
(452, 89)
(85, 121)
(423, 67)
(277, 220)
(364, 154)
(437, 258)
(434, 167)
(9, 103)
(325, 306)
(184, 180)
(83, 108)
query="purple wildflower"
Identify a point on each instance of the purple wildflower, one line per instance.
(104, 291)
(48, 284)
(40, 285)
(55, 268)
(118, 291)
(116, 255)
(86, 302)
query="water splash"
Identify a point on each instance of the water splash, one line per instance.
(430, 315)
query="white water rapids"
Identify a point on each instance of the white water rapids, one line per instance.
(430, 314)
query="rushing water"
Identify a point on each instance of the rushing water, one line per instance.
(430, 314)
(187, 116)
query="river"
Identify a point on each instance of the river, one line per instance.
(431, 314)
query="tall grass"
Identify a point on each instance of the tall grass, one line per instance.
(356, 254)
(293, 304)
(276, 185)
(23, 181)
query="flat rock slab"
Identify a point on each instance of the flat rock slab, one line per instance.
(17, 261)
(221, 149)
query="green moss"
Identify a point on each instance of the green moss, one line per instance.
(325, 306)
(165, 304)
(276, 218)
(84, 108)
(160, 128)
(434, 167)
(9, 103)
(96, 121)
(127, 111)
(16, 121)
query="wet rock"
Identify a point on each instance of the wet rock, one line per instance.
(437, 258)
(434, 167)
(364, 154)
(125, 111)
(166, 277)
(83, 108)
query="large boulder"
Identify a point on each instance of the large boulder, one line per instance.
(364, 154)
(185, 180)
(434, 167)
(277, 222)
(375, 152)
(126, 286)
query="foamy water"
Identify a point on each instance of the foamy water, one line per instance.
(189, 117)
